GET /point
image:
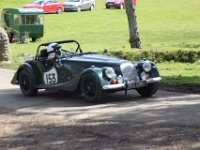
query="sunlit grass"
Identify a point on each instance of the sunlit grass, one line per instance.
(163, 25)
(180, 73)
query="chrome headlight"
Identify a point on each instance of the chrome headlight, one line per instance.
(120, 79)
(146, 66)
(110, 73)
(144, 76)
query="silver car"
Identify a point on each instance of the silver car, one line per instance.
(78, 5)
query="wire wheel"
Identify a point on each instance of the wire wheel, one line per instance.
(149, 90)
(90, 88)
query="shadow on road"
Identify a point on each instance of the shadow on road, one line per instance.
(100, 135)
(164, 106)
(54, 120)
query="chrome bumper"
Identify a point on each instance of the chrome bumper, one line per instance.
(124, 85)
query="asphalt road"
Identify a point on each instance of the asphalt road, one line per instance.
(163, 107)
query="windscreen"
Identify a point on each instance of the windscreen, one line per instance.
(72, 0)
(69, 46)
(38, 2)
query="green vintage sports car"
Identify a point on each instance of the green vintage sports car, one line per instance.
(90, 73)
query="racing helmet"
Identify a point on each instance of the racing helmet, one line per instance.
(53, 50)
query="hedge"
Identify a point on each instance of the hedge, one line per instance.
(184, 56)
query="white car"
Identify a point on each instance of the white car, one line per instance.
(78, 5)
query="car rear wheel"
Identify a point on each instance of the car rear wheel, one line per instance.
(121, 6)
(59, 11)
(90, 88)
(34, 39)
(149, 90)
(92, 8)
(79, 9)
(26, 83)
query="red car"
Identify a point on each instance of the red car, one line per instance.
(48, 6)
(116, 3)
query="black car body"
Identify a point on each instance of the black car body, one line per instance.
(94, 74)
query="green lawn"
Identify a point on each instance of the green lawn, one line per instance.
(163, 25)
(179, 73)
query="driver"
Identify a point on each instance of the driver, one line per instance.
(53, 51)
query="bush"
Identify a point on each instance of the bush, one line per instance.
(183, 56)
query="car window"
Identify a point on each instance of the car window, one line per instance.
(38, 2)
(17, 19)
(54, 1)
(28, 19)
(6, 19)
(72, 0)
(69, 46)
(48, 2)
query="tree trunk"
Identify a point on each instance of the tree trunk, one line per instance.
(133, 29)
(4, 45)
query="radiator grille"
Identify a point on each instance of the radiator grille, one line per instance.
(129, 72)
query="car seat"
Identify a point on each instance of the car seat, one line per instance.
(43, 53)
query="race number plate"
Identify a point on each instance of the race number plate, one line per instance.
(135, 84)
(51, 77)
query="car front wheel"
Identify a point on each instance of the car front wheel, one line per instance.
(26, 83)
(90, 88)
(149, 90)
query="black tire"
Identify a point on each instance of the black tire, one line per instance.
(90, 88)
(149, 90)
(59, 11)
(92, 8)
(26, 83)
(121, 6)
(79, 9)
(34, 39)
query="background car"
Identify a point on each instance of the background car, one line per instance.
(78, 5)
(116, 3)
(90, 73)
(48, 6)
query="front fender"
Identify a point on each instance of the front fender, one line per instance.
(98, 72)
(27, 66)
(154, 71)
(74, 83)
